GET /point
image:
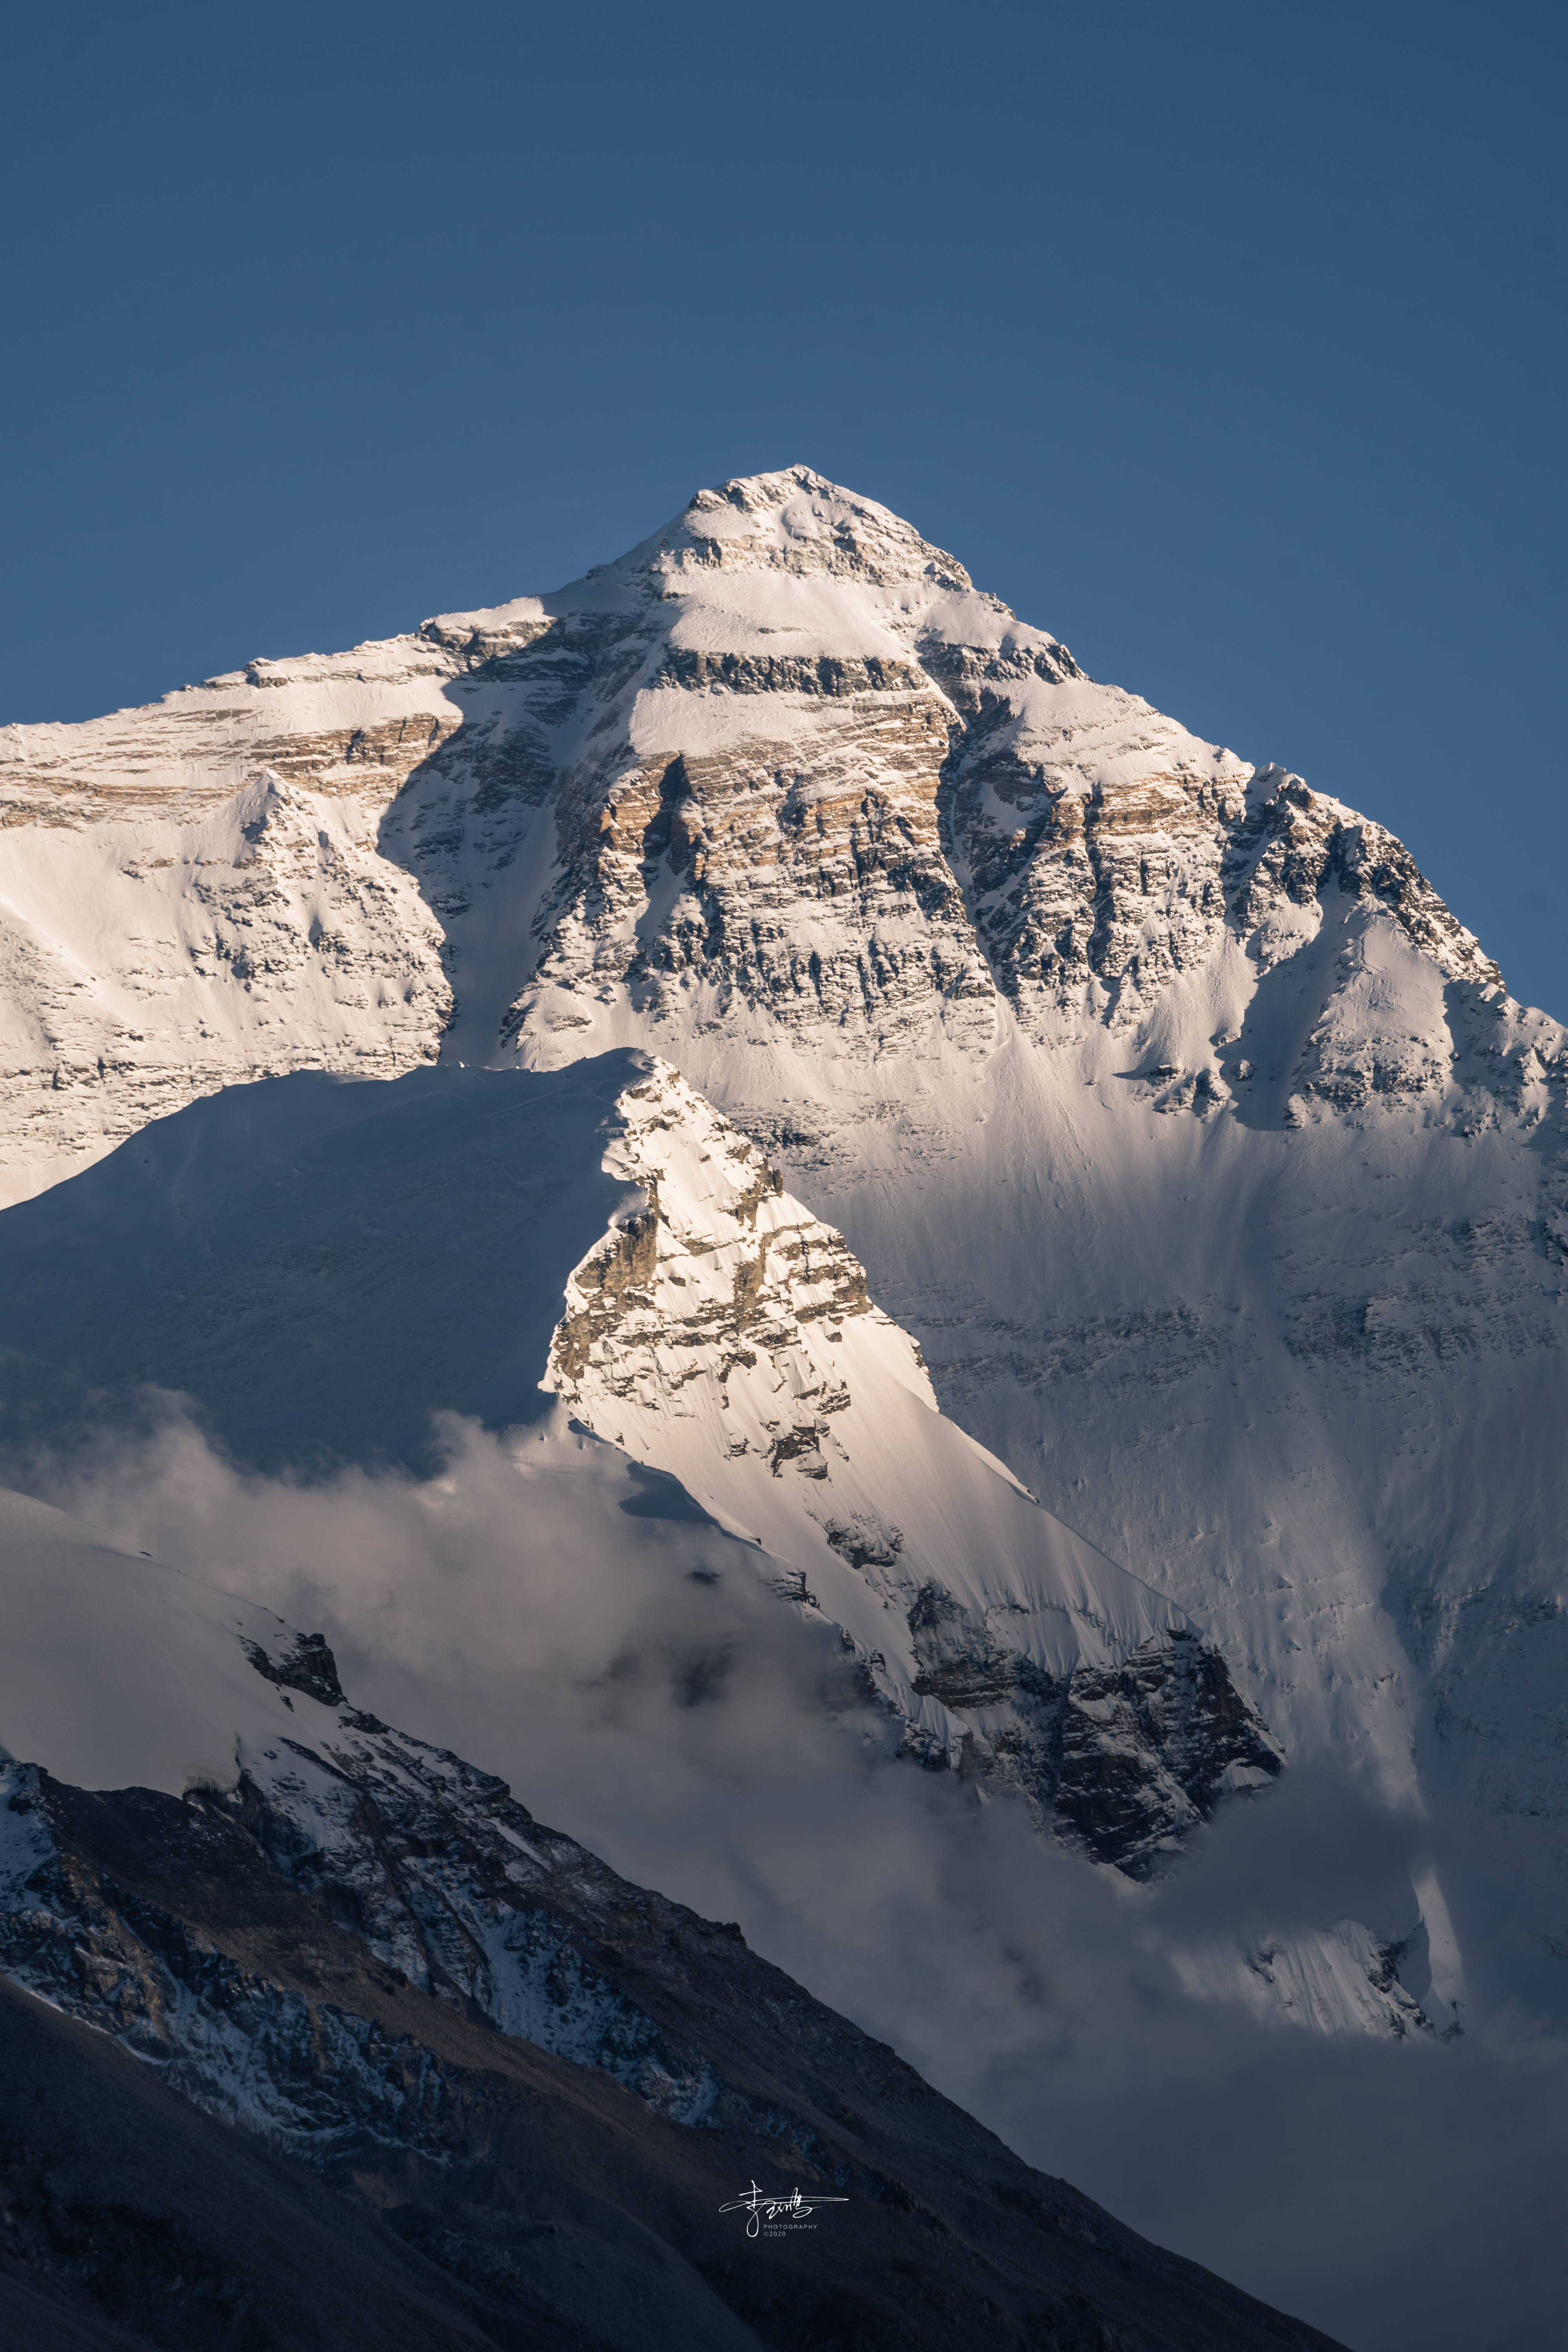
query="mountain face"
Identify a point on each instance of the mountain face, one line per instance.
(534, 2093)
(782, 766)
(725, 1335)
(1157, 1095)
(602, 1236)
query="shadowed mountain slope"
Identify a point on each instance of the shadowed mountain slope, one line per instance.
(359, 1954)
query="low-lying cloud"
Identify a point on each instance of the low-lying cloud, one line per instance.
(562, 1617)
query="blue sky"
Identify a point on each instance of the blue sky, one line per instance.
(1225, 341)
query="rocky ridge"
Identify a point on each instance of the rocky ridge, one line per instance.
(725, 1335)
(548, 2085)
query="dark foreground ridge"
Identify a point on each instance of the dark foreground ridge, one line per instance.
(418, 2072)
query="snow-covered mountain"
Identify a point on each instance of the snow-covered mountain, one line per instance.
(545, 2087)
(1158, 1096)
(725, 1335)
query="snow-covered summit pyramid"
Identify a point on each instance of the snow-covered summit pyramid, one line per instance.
(780, 779)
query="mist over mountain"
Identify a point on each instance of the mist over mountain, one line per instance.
(1061, 1224)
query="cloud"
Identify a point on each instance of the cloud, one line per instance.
(557, 1614)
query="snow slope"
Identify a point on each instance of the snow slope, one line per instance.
(321, 1265)
(116, 1670)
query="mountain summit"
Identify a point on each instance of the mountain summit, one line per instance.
(779, 776)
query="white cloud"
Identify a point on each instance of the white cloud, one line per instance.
(561, 1616)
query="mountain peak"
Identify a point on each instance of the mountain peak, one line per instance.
(796, 520)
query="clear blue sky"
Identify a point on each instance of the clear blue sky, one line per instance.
(1226, 341)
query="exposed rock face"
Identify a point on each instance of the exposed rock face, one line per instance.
(429, 1862)
(818, 896)
(1108, 854)
(1124, 1760)
(724, 1334)
(341, 723)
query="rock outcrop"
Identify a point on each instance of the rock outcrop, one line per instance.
(726, 1336)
